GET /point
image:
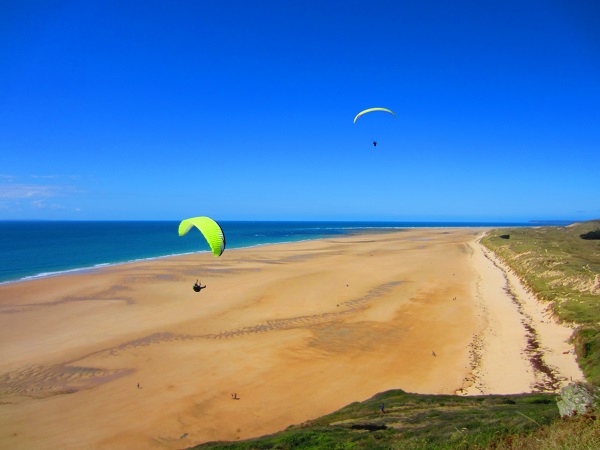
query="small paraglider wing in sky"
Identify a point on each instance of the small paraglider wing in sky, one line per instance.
(210, 229)
(374, 109)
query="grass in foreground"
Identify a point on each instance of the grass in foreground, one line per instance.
(575, 433)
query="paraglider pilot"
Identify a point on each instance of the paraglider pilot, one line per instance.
(198, 286)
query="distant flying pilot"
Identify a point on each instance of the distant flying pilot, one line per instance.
(374, 143)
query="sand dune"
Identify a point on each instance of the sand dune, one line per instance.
(295, 330)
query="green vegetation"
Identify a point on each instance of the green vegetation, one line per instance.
(569, 434)
(413, 421)
(563, 268)
(561, 265)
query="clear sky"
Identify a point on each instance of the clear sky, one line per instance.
(243, 110)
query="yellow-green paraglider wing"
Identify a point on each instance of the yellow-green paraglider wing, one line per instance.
(374, 109)
(210, 229)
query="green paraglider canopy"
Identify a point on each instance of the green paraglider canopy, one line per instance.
(374, 109)
(210, 229)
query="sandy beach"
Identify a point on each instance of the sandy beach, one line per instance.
(129, 356)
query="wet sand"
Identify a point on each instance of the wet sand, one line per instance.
(295, 330)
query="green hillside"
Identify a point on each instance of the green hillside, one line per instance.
(413, 421)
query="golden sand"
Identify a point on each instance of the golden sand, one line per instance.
(294, 330)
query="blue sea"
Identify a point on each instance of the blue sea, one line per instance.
(44, 248)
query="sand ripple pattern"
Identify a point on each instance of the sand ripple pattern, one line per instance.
(67, 378)
(41, 381)
(345, 308)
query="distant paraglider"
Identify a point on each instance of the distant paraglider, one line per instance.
(371, 110)
(210, 229)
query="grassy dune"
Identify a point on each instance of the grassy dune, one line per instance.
(563, 268)
(561, 265)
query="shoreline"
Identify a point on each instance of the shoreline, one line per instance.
(352, 230)
(296, 330)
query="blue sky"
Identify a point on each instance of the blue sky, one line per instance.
(243, 110)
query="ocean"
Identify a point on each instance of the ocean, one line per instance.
(32, 249)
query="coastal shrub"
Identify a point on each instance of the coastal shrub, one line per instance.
(587, 347)
(591, 236)
(570, 434)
